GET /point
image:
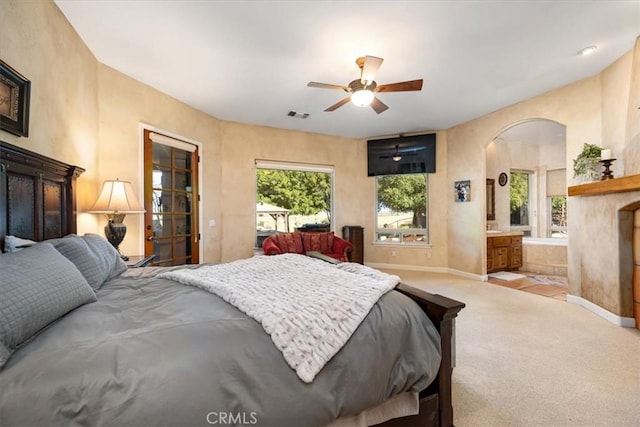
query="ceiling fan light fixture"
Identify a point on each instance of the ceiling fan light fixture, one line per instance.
(396, 157)
(362, 97)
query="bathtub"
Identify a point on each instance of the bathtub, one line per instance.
(544, 255)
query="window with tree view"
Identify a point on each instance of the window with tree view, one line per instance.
(519, 201)
(290, 199)
(402, 212)
(558, 226)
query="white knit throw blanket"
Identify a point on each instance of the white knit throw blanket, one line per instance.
(309, 307)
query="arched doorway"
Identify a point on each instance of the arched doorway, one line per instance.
(528, 163)
(533, 151)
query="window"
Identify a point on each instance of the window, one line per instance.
(402, 209)
(520, 201)
(558, 216)
(292, 197)
(557, 203)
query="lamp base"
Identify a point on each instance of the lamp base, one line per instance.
(115, 231)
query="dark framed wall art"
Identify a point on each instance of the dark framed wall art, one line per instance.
(15, 91)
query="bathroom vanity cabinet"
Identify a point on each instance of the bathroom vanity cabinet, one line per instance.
(504, 252)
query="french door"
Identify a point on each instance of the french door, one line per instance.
(170, 200)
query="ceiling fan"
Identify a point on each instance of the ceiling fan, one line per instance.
(397, 155)
(361, 91)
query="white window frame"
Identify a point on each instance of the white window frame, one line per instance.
(404, 231)
(531, 202)
(554, 228)
(303, 167)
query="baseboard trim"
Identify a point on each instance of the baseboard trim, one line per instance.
(625, 322)
(407, 267)
(428, 269)
(467, 275)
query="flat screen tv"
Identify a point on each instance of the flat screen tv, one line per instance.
(402, 155)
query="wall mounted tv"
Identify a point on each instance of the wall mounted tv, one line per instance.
(401, 155)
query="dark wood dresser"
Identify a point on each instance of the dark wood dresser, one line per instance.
(355, 234)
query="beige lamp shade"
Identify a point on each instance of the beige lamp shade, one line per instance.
(117, 197)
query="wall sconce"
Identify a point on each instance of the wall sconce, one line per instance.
(115, 201)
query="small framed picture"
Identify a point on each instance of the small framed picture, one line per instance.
(462, 191)
(14, 101)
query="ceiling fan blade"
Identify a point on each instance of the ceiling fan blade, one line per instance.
(378, 106)
(370, 68)
(401, 86)
(327, 86)
(338, 104)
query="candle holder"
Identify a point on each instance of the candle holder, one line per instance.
(607, 173)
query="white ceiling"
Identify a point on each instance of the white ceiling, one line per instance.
(250, 61)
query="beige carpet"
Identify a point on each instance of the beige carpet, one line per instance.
(527, 360)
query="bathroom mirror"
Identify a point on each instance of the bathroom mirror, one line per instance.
(491, 199)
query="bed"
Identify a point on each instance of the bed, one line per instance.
(141, 349)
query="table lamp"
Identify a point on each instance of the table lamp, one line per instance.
(116, 200)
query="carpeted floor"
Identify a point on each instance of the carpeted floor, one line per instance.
(523, 360)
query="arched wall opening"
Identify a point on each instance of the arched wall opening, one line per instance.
(527, 161)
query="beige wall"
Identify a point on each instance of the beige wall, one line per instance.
(87, 114)
(124, 103)
(63, 75)
(243, 144)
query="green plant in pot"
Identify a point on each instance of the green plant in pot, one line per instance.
(587, 165)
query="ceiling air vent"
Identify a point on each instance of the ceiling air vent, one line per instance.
(298, 115)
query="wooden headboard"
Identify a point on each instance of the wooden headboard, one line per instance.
(37, 195)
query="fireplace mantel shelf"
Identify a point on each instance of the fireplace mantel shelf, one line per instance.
(609, 186)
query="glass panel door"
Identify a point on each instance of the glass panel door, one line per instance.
(171, 199)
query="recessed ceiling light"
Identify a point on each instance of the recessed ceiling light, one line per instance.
(587, 50)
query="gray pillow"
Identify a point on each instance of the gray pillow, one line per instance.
(96, 259)
(37, 286)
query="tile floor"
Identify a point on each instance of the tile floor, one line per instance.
(555, 287)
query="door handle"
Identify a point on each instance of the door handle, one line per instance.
(150, 239)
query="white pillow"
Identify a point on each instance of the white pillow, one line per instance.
(14, 244)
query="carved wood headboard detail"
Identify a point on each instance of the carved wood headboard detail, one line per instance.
(37, 195)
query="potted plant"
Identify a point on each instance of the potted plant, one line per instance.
(586, 167)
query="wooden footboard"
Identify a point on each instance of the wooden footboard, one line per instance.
(442, 311)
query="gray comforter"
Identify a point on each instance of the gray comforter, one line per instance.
(154, 352)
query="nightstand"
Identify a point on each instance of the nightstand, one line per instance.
(139, 261)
